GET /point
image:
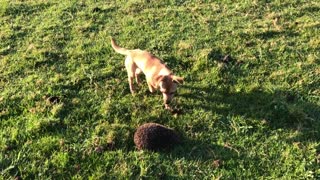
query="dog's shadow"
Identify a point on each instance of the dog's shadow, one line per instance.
(280, 109)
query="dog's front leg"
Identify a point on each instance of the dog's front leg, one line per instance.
(151, 88)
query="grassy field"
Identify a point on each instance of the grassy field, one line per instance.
(250, 105)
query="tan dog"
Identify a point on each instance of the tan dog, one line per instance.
(157, 74)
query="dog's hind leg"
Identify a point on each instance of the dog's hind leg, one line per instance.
(131, 69)
(138, 71)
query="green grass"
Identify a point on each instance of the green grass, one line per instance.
(256, 116)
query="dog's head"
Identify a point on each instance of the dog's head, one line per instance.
(168, 86)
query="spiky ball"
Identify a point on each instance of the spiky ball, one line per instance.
(153, 136)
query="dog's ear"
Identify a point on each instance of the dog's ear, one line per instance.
(177, 79)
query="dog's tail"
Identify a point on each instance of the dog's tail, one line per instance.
(118, 49)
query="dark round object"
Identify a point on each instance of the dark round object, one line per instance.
(153, 136)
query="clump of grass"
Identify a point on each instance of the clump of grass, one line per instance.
(3, 7)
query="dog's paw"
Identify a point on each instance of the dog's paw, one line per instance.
(167, 107)
(147, 92)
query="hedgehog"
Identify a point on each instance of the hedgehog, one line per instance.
(154, 137)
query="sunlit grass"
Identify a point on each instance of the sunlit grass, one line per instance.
(250, 107)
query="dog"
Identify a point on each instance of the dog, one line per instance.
(158, 75)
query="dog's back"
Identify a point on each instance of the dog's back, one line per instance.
(146, 61)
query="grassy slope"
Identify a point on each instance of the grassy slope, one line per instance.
(252, 117)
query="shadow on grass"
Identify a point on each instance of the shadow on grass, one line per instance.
(273, 34)
(281, 109)
(25, 9)
(195, 150)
